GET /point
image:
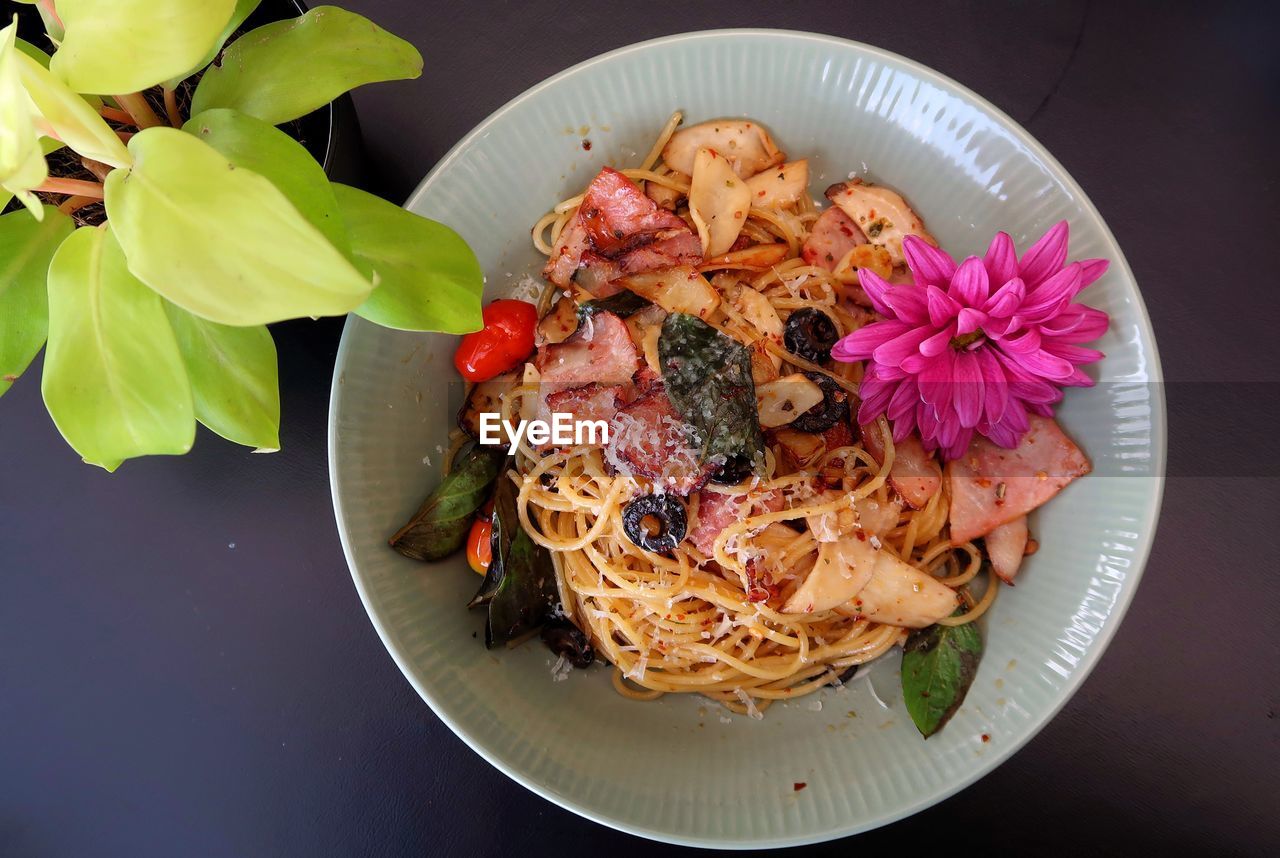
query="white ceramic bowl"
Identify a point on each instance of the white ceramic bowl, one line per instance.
(680, 769)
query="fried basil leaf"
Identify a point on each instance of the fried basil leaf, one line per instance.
(938, 666)
(440, 525)
(708, 378)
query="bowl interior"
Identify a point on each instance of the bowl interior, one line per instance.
(681, 769)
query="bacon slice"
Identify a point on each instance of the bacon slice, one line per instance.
(991, 486)
(648, 439)
(592, 402)
(718, 510)
(615, 221)
(599, 352)
(833, 235)
(915, 474)
(1006, 546)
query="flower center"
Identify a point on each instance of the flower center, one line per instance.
(963, 341)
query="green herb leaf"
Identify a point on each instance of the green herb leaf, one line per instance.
(287, 69)
(428, 279)
(266, 150)
(708, 378)
(440, 525)
(244, 8)
(622, 304)
(938, 666)
(26, 246)
(130, 45)
(233, 378)
(222, 241)
(73, 118)
(113, 379)
(520, 584)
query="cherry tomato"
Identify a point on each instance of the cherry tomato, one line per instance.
(479, 554)
(502, 344)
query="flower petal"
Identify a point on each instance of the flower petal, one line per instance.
(970, 284)
(942, 307)
(1044, 258)
(970, 320)
(1001, 260)
(904, 401)
(1092, 269)
(908, 303)
(861, 343)
(1047, 299)
(1007, 298)
(929, 264)
(875, 394)
(875, 286)
(894, 351)
(967, 389)
(935, 344)
(935, 380)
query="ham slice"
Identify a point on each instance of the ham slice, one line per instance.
(648, 439)
(915, 474)
(592, 402)
(991, 486)
(615, 222)
(1006, 546)
(833, 235)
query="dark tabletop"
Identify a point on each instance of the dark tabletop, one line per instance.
(185, 667)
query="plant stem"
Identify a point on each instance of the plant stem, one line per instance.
(171, 107)
(71, 205)
(74, 187)
(98, 168)
(47, 5)
(139, 110)
(125, 135)
(115, 114)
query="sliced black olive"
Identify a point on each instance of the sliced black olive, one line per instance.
(733, 471)
(656, 523)
(848, 674)
(810, 333)
(564, 638)
(833, 408)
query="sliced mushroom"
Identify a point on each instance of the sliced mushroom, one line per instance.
(667, 198)
(757, 257)
(764, 364)
(779, 402)
(718, 202)
(1006, 546)
(677, 290)
(642, 321)
(780, 186)
(757, 310)
(882, 215)
(842, 569)
(558, 325)
(484, 398)
(871, 256)
(745, 143)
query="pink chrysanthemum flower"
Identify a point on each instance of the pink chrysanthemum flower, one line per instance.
(974, 347)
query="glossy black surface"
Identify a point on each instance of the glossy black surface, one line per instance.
(185, 668)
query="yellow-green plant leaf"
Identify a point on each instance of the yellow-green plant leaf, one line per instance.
(287, 69)
(113, 381)
(220, 240)
(233, 378)
(69, 117)
(22, 164)
(43, 58)
(266, 150)
(26, 246)
(244, 8)
(428, 279)
(52, 25)
(129, 45)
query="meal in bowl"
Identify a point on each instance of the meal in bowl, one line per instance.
(797, 434)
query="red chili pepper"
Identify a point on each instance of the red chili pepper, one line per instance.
(502, 344)
(479, 552)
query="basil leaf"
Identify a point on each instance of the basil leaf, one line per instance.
(26, 246)
(708, 378)
(234, 381)
(287, 69)
(520, 585)
(113, 379)
(244, 8)
(440, 525)
(222, 241)
(622, 304)
(266, 150)
(938, 666)
(130, 45)
(427, 277)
